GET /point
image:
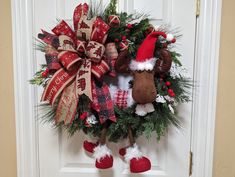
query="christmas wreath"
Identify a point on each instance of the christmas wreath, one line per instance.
(112, 76)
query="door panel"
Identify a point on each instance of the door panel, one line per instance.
(61, 156)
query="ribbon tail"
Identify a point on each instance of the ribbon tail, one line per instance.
(67, 107)
(57, 84)
(83, 79)
(102, 102)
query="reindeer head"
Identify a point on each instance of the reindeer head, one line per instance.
(145, 67)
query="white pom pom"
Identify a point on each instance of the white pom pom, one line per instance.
(133, 152)
(169, 37)
(149, 107)
(101, 151)
(140, 110)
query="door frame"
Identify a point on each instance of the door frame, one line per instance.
(204, 95)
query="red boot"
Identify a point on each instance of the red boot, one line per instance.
(103, 156)
(138, 163)
(105, 162)
(89, 146)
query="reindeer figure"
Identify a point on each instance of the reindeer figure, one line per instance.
(143, 70)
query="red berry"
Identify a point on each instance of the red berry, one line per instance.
(116, 40)
(83, 115)
(172, 94)
(123, 38)
(87, 124)
(170, 91)
(164, 45)
(173, 40)
(44, 74)
(168, 83)
(47, 70)
(129, 26)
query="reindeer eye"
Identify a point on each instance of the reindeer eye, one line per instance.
(149, 71)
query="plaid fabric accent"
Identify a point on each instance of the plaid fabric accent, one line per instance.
(52, 60)
(120, 98)
(102, 102)
(49, 38)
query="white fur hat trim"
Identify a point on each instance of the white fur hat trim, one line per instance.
(145, 65)
(101, 151)
(133, 152)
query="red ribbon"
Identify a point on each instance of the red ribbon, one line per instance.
(75, 79)
(57, 84)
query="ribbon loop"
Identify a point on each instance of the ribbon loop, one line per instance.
(85, 28)
(51, 55)
(64, 29)
(68, 59)
(66, 43)
(81, 46)
(80, 11)
(100, 30)
(95, 51)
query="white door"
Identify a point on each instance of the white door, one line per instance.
(61, 156)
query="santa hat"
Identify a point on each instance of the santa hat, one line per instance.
(145, 59)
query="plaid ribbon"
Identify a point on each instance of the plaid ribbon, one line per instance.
(120, 98)
(102, 102)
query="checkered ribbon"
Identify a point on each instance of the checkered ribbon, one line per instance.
(102, 102)
(120, 98)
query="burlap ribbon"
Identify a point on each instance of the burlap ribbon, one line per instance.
(81, 54)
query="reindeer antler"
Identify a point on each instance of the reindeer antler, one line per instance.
(163, 65)
(122, 62)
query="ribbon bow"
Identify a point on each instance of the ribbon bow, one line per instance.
(81, 53)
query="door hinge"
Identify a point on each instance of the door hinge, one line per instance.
(190, 163)
(198, 2)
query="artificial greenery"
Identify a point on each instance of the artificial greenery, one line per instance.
(38, 79)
